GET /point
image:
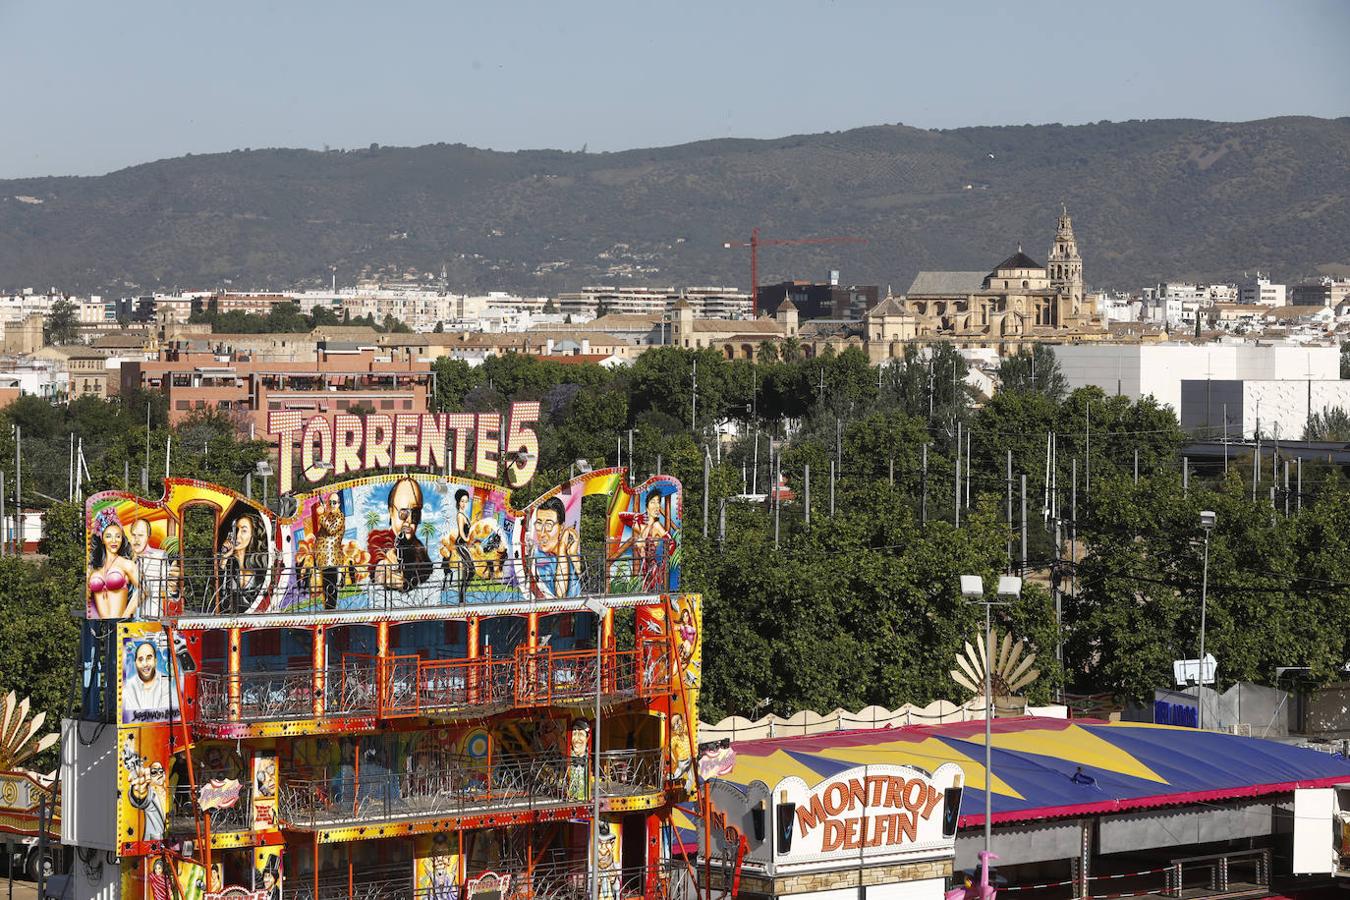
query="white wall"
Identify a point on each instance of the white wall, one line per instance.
(1137, 370)
(1281, 408)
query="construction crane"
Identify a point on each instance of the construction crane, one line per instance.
(755, 243)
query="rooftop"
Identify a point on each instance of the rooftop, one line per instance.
(946, 284)
(1019, 260)
(1047, 768)
(758, 327)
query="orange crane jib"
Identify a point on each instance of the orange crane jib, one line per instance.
(756, 242)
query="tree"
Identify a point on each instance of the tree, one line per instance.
(62, 325)
(1331, 424)
(1035, 369)
(454, 378)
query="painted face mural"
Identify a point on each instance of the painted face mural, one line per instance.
(378, 543)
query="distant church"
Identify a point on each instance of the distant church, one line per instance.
(1020, 301)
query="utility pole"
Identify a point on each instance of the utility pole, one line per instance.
(1185, 475)
(18, 490)
(777, 496)
(1087, 450)
(1286, 488)
(1298, 464)
(930, 389)
(1256, 466)
(693, 401)
(1136, 464)
(1055, 574)
(707, 471)
(968, 457)
(839, 443)
(957, 478)
(1207, 523)
(923, 488)
(754, 466)
(806, 492)
(1225, 439)
(1073, 526)
(1024, 522)
(1007, 483)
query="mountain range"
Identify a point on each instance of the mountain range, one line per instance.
(1151, 200)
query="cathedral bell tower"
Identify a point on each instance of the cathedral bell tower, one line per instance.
(1065, 266)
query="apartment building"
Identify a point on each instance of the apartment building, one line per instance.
(706, 302)
(1259, 290)
(1330, 292)
(338, 380)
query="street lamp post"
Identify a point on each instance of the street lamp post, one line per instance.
(1009, 589)
(596, 608)
(1207, 522)
(263, 469)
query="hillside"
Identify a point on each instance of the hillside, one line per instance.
(1151, 199)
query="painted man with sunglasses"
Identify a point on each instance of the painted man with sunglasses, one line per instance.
(398, 557)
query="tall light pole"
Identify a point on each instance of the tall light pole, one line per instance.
(1207, 522)
(1009, 589)
(597, 609)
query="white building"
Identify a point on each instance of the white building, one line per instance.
(1260, 291)
(706, 302)
(1157, 370)
(1118, 307)
(17, 307)
(1276, 408)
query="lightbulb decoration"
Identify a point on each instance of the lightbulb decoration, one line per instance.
(19, 740)
(1009, 669)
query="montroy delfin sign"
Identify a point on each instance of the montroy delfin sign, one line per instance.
(872, 814)
(476, 444)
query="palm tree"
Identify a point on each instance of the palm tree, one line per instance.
(427, 532)
(372, 520)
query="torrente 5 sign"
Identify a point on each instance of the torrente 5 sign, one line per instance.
(346, 442)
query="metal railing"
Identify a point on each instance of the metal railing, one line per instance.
(185, 811)
(411, 686)
(568, 880)
(1215, 872)
(546, 677)
(466, 786)
(221, 586)
(408, 686)
(346, 689)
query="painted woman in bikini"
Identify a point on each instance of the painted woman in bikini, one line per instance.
(113, 578)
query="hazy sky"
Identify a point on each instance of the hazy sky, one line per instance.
(89, 87)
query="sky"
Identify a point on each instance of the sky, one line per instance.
(90, 87)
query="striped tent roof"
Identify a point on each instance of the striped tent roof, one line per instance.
(1044, 768)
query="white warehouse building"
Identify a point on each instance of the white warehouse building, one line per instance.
(1239, 409)
(1139, 370)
